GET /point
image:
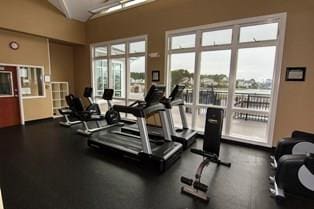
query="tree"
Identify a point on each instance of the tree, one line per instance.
(181, 76)
(137, 75)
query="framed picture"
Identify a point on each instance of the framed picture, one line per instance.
(155, 76)
(295, 73)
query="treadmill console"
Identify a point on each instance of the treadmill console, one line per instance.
(108, 94)
(88, 92)
(154, 94)
(177, 92)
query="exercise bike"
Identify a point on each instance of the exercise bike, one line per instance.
(112, 116)
(210, 153)
(68, 113)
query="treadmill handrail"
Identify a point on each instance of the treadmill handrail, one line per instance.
(139, 111)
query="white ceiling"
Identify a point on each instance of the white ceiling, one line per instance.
(76, 9)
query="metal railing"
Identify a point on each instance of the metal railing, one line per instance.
(252, 101)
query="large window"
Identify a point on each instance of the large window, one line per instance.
(234, 66)
(32, 81)
(120, 65)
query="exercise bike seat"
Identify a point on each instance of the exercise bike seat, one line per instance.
(65, 111)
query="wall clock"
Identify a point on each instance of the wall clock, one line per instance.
(14, 45)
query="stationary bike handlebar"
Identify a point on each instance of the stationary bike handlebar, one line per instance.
(137, 102)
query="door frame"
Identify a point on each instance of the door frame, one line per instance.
(282, 17)
(21, 104)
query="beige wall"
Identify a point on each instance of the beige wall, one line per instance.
(32, 51)
(295, 103)
(62, 63)
(82, 74)
(40, 18)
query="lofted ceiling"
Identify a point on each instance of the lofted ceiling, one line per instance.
(82, 10)
(76, 9)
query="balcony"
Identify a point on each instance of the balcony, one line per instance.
(243, 125)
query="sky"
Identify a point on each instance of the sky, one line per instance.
(256, 63)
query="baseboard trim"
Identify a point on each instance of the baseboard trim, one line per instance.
(38, 121)
(244, 144)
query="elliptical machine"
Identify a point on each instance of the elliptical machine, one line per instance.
(210, 153)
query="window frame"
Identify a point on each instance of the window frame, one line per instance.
(125, 56)
(235, 45)
(20, 67)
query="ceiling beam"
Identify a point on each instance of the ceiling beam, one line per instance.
(65, 8)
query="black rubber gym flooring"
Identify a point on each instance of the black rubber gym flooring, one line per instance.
(44, 166)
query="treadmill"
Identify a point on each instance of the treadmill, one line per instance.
(183, 135)
(142, 147)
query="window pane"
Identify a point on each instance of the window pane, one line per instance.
(254, 78)
(137, 77)
(100, 51)
(177, 118)
(214, 77)
(6, 84)
(32, 81)
(137, 47)
(182, 72)
(201, 120)
(249, 126)
(101, 76)
(219, 37)
(118, 49)
(259, 32)
(181, 42)
(118, 77)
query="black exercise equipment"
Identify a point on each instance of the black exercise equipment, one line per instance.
(93, 106)
(92, 113)
(183, 135)
(299, 143)
(210, 153)
(140, 147)
(68, 113)
(294, 175)
(112, 116)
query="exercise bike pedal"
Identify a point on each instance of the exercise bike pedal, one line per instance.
(200, 186)
(186, 181)
(273, 192)
(271, 179)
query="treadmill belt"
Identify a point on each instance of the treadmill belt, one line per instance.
(119, 141)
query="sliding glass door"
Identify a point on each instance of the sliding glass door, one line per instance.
(234, 66)
(120, 65)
